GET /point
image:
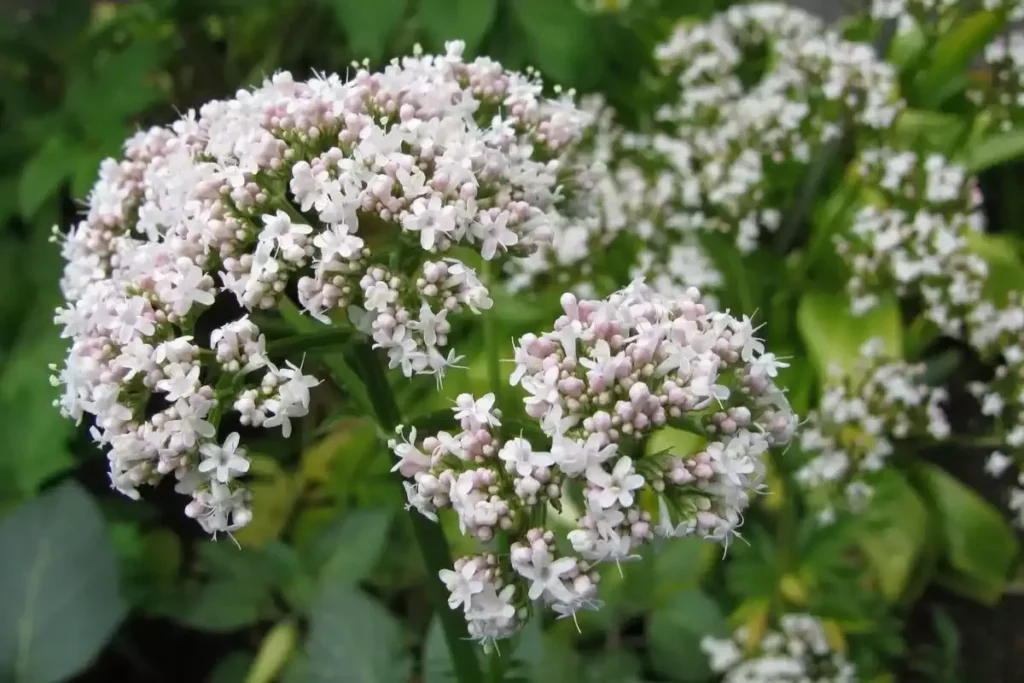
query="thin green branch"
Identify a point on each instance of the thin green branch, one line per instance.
(369, 387)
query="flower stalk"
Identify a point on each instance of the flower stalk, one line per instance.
(372, 390)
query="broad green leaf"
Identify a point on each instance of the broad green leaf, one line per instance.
(368, 25)
(232, 588)
(467, 20)
(979, 543)
(893, 531)
(954, 53)
(1005, 268)
(833, 335)
(347, 551)
(273, 495)
(59, 595)
(542, 658)
(437, 660)
(275, 651)
(222, 604)
(232, 667)
(44, 174)
(906, 47)
(613, 666)
(674, 633)
(353, 639)
(936, 130)
(559, 36)
(680, 565)
(994, 150)
(35, 433)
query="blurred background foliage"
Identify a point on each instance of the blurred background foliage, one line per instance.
(325, 586)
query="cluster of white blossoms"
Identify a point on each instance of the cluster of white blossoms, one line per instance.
(798, 652)
(1001, 92)
(762, 88)
(608, 374)
(353, 192)
(852, 433)
(757, 91)
(911, 235)
(997, 332)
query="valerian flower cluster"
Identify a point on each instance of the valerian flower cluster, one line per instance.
(860, 417)
(609, 373)
(798, 652)
(354, 192)
(730, 147)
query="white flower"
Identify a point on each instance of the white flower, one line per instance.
(463, 584)
(545, 575)
(224, 462)
(997, 463)
(617, 487)
(520, 456)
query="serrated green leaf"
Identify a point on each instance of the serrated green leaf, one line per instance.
(954, 53)
(833, 335)
(979, 543)
(466, 20)
(674, 633)
(353, 639)
(892, 532)
(368, 25)
(59, 595)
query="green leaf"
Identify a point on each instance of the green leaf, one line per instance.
(954, 53)
(347, 551)
(906, 47)
(833, 335)
(680, 565)
(893, 530)
(232, 588)
(59, 596)
(979, 543)
(44, 174)
(1005, 268)
(674, 634)
(542, 658)
(232, 667)
(35, 433)
(368, 25)
(353, 639)
(467, 20)
(437, 660)
(938, 131)
(559, 37)
(994, 150)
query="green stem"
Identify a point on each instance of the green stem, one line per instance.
(375, 395)
(491, 339)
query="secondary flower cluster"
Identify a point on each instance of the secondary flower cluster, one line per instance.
(607, 375)
(798, 652)
(997, 331)
(851, 434)
(912, 235)
(740, 138)
(731, 145)
(355, 192)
